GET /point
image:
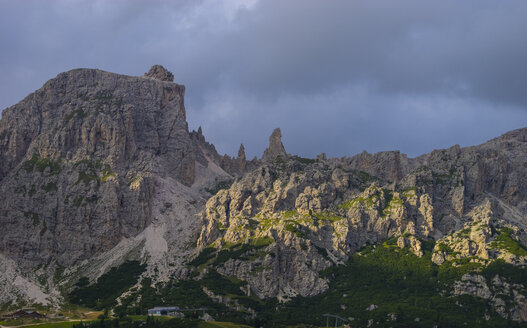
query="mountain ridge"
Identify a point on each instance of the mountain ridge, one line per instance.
(99, 169)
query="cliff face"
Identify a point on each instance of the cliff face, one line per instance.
(98, 168)
(78, 160)
(313, 214)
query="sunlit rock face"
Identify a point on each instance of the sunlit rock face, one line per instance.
(98, 168)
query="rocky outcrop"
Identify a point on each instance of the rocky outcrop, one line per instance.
(486, 237)
(206, 155)
(315, 215)
(321, 211)
(276, 148)
(507, 299)
(160, 73)
(413, 243)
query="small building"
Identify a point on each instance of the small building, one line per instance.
(163, 310)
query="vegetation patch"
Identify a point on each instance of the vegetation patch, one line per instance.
(514, 274)
(204, 256)
(328, 216)
(135, 321)
(88, 171)
(252, 224)
(365, 177)
(182, 293)
(453, 270)
(261, 242)
(445, 249)
(102, 294)
(41, 164)
(220, 186)
(32, 191)
(222, 285)
(134, 180)
(35, 220)
(190, 294)
(104, 98)
(49, 187)
(392, 202)
(293, 227)
(410, 192)
(237, 251)
(347, 205)
(78, 201)
(108, 176)
(86, 178)
(289, 214)
(463, 233)
(78, 113)
(396, 281)
(443, 178)
(303, 160)
(421, 169)
(358, 202)
(505, 241)
(248, 251)
(267, 223)
(86, 163)
(92, 199)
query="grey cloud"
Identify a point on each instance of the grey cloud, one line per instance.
(337, 76)
(350, 120)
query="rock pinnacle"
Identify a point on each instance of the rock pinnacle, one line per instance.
(276, 148)
(160, 73)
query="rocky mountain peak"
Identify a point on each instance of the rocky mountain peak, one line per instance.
(160, 73)
(241, 152)
(100, 168)
(276, 148)
(86, 152)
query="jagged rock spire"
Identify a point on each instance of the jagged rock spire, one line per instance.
(160, 73)
(276, 148)
(241, 153)
(241, 160)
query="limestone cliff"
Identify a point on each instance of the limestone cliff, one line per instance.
(316, 213)
(96, 162)
(98, 168)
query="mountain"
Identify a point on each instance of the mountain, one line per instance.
(97, 166)
(109, 201)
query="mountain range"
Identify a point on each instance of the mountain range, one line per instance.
(110, 202)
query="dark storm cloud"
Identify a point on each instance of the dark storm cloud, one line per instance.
(336, 76)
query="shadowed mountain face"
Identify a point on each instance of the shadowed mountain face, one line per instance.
(78, 160)
(99, 168)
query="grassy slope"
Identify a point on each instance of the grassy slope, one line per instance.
(65, 324)
(397, 282)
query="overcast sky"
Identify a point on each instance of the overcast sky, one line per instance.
(337, 76)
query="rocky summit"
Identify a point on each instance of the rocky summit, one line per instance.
(110, 202)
